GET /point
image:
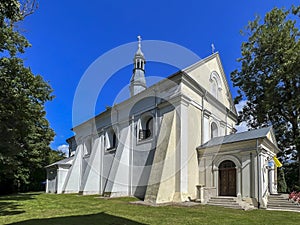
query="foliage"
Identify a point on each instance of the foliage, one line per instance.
(281, 184)
(25, 132)
(269, 77)
(42, 209)
(291, 174)
(55, 155)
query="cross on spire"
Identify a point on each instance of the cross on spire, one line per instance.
(213, 48)
(139, 41)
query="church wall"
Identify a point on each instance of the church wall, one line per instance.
(106, 168)
(120, 170)
(161, 185)
(73, 179)
(202, 75)
(62, 173)
(51, 185)
(91, 176)
(194, 138)
(192, 95)
(246, 174)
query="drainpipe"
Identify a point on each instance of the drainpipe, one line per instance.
(131, 154)
(258, 176)
(202, 119)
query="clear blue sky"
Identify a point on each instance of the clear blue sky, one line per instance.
(67, 36)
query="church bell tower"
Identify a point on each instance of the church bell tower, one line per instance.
(138, 81)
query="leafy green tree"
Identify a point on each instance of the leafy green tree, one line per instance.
(281, 184)
(269, 77)
(25, 132)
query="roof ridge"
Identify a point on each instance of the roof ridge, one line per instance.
(236, 137)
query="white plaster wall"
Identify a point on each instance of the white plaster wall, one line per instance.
(194, 138)
(61, 177)
(91, 177)
(121, 180)
(202, 75)
(73, 179)
(246, 178)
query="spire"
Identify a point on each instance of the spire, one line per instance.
(138, 81)
(139, 51)
(140, 42)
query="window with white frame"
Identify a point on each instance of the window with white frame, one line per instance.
(213, 130)
(145, 127)
(111, 140)
(88, 146)
(215, 84)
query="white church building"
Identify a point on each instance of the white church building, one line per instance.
(174, 141)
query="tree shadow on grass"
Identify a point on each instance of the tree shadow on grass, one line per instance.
(9, 203)
(18, 197)
(93, 219)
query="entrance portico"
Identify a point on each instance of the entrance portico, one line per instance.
(237, 165)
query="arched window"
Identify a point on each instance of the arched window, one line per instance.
(89, 146)
(142, 65)
(149, 127)
(215, 84)
(111, 139)
(214, 88)
(213, 130)
(146, 127)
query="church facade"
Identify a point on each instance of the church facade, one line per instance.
(171, 142)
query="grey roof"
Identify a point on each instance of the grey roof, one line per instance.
(66, 161)
(243, 136)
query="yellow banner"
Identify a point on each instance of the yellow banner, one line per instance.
(277, 162)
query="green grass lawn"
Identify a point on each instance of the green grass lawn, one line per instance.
(46, 209)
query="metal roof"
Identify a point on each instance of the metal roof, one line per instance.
(243, 136)
(66, 161)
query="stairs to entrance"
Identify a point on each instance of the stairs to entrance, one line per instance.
(279, 202)
(226, 202)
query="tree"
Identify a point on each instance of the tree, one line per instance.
(269, 77)
(281, 184)
(25, 132)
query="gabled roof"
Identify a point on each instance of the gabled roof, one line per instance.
(243, 136)
(66, 161)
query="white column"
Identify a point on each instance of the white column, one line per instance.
(206, 128)
(47, 185)
(183, 148)
(238, 182)
(216, 179)
(101, 149)
(272, 185)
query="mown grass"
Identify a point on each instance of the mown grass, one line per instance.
(46, 209)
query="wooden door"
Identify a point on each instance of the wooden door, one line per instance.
(227, 179)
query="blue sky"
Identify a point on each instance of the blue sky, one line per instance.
(67, 36)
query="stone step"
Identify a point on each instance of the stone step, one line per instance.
(283, 205)
(223, 198)
(227, 206)
(278, 199)
(226, 202)
(279, 202)
(220, 202)
(285, 209)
